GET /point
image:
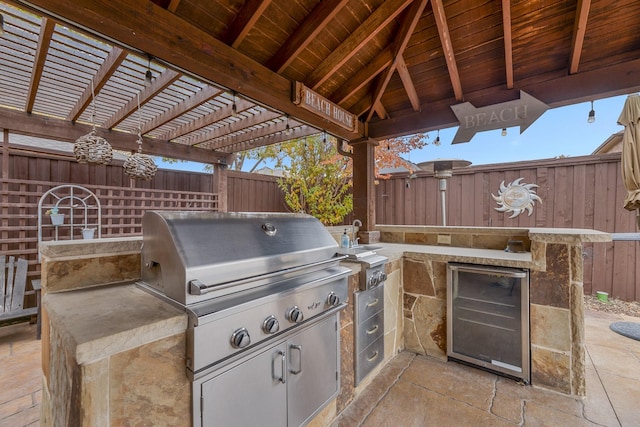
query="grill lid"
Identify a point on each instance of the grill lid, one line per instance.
(189, 253)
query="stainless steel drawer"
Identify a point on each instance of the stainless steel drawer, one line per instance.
(369, 330)
(368, 359)
(369, 302)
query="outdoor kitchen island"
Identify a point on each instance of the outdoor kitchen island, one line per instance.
(115, 354)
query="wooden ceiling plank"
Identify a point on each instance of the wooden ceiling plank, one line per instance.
(102, 76)
(244, 22)
(64, 130)
(579, 30)
(181, 108)
(379, 19)
(44, 40)
(407, 82)
(508, 42)
(246, 136)
(408, 24)
(363, 76)
(208, 119)
(159, 84)
(238, 126)
(319, 18)
(447, 47)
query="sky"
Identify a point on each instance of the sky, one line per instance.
(562, 131)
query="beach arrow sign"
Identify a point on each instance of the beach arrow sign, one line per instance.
(519, 112)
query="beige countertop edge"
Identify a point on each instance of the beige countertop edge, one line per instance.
(453, 253)
(98, 322)
(68, 248)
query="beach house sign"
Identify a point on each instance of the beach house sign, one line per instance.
(318, 104)
(519, 112)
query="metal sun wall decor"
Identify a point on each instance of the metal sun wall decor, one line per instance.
(516, 197)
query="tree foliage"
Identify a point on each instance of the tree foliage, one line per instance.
(316, 178)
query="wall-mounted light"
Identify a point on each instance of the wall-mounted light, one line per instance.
(592, 114)
(1, 24)
(504, 132)
(148, 76)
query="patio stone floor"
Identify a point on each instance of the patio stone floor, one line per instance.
(414, 390)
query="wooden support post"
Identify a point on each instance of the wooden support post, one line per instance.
(219, 186)
(364, 201)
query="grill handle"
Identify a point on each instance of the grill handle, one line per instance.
(283, 366)
(299, 348)
(196, 287)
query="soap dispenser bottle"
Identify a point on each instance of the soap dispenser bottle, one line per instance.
(344, 240)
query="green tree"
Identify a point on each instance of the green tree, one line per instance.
(317, 180)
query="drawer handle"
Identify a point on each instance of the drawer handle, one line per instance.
(374, 357)
(374, 302)
(372, 330)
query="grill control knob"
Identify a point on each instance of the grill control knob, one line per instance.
(270, 325)
(294, 315)
(333, 299)
(240, 338)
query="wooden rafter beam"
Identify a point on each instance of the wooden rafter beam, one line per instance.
(63, 130)
(317, 20)
(296, 133)
(173, 5)
(244, 22)
(508, 42)
(552, 89)
(579, 30)
(207, 120)
(44, 40)
(237, 126)
(159, 84)
(261, 132)
(186, 47)
(106, 70)
(365, 75)
(408, 24)
(379, 19)
(407, 82)
(183, 107)
(447, 47)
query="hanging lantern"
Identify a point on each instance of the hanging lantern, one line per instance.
(91, 148)
(138, 165)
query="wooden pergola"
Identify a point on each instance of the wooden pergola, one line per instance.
(231, 75)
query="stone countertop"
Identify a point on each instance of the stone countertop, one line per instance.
(89, 248)
(395, 251)
(100, 321)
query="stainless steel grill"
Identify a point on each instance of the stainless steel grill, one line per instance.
(252, 284)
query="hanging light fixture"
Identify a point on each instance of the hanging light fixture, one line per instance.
(138, 165)
(1, 24)
(324, 136)
(234, 107)
(504, 132)
(92, 148)
(287, 129)
(592, 114)
(148, 76)
(437, 141)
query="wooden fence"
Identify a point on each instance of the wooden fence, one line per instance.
(581, 192)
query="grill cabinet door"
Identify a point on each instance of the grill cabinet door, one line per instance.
(313, 370)
(249, 394)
